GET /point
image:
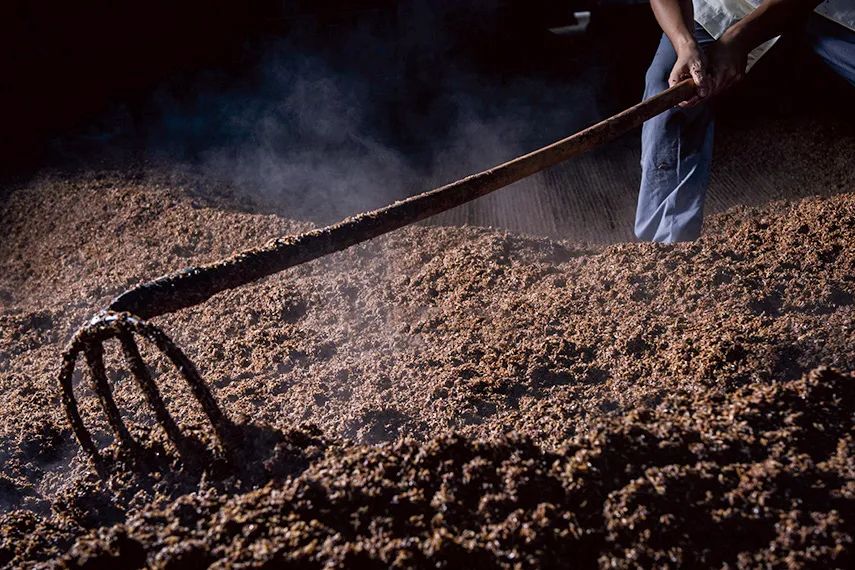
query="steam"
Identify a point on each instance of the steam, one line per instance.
(315, 136)
(329, 123)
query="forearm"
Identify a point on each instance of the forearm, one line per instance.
(676, 18)
(770, 19)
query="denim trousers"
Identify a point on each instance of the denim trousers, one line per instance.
(677, 145)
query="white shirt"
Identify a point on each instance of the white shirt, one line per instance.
(718, 15)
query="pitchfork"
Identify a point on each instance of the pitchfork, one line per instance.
(127, 315)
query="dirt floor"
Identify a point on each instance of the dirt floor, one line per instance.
(439, 395)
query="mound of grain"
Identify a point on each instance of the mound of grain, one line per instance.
(762, 477)
(419, 334)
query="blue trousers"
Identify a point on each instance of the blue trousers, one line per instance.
(677, 146)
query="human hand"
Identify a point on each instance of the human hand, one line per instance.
(691, 62)
(728, 59)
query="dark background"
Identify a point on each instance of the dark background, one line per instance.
(64, 64)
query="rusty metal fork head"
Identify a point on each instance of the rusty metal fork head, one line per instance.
(89, 341)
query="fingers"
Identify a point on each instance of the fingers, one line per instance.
(677, 75)
(694, 68)
(725, 78)
(701, 78)
(713, 71)
(692, 102)
(727, 65)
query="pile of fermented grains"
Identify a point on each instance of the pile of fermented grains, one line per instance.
(440, 395)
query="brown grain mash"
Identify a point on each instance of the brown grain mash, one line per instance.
(440, 396)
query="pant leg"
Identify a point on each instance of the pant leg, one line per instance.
(834, 44)
(676, 153)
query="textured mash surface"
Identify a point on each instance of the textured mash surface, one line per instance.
(645, 386)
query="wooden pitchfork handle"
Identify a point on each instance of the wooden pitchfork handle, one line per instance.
(194, 285)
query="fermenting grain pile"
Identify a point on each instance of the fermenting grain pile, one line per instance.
(652, 392)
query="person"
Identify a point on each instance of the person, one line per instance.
(715, 42)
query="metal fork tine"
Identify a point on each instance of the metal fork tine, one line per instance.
(94, 352)
(123, 326)
(149, 388)
(69, 359)
(222, 426)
